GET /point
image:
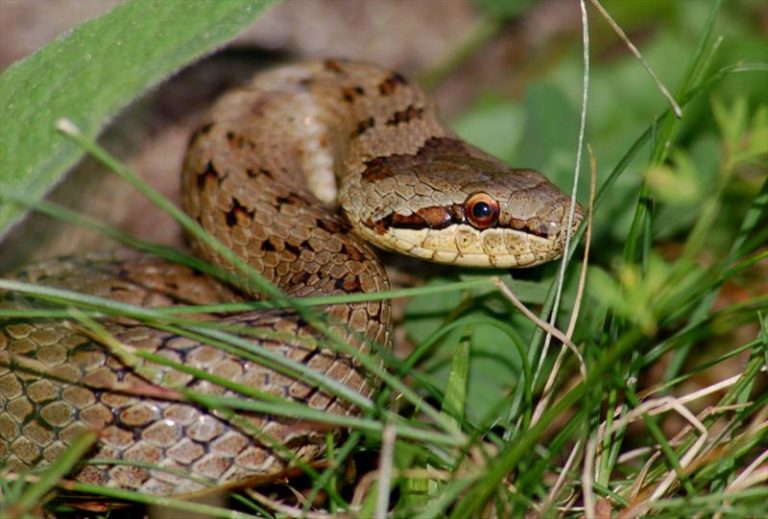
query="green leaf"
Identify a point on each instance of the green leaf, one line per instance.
(550, 132)
(92, 72)
(678, 185)
(456, 390)
(495, 364)
(731, 118)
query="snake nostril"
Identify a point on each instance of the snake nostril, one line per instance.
(552, 229)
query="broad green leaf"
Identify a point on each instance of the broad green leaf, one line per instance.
(494, 367)
(92, 72)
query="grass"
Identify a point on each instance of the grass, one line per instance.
(130, 49)
(662, 407)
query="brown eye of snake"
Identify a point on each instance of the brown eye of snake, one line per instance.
(481, 210)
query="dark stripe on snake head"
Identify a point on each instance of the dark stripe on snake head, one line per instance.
(438, 217)
(533, 226)
(434, 217)
(383, 167)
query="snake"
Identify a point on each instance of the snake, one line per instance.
(302, 173)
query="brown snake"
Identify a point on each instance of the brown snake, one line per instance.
(261, 175)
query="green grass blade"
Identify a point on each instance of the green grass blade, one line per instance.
(253, 280)
(507, 459)
(92, 72)
(48, 479)
(458, 379)
(200, 509)
(658, 435)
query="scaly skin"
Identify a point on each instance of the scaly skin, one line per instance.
(263, 174)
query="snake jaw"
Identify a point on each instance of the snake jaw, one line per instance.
(463, 245)
(528, 231)
(450, 202)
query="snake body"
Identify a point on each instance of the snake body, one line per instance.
(264, 174)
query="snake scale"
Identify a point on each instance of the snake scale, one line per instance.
(264, 173)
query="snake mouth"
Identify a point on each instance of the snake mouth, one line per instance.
(437, 218)
(463, 245)
(443, 235)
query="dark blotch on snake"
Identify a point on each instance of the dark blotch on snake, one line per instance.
(363, 126)
(238, 213)
(406, 116)
(350, 93)
(209, 174)
(333, 66)
(388, 86)
(433, 148)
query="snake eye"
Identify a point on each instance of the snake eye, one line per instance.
(481, 210)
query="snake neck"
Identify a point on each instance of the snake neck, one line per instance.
(260, 175)
(306, 136)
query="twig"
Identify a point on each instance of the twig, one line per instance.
(547, 392)
(547, 327)
(386, 461)
(560, 483)
(675, 107)
(747, 478)
(690, 453)
(587, 476)
(291, 511)
(653, 407)
(574, 189)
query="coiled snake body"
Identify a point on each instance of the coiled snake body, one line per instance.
(263, 174)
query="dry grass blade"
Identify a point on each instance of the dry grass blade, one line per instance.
(675, 107)
(548, 387)
(574, 189)
(386, 464)
(547, 327)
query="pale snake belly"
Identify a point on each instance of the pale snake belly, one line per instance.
(264, 174)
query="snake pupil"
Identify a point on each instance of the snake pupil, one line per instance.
(481, 210)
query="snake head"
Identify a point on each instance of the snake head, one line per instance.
(453, 203)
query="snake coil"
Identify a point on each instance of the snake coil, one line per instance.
(263, 174)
